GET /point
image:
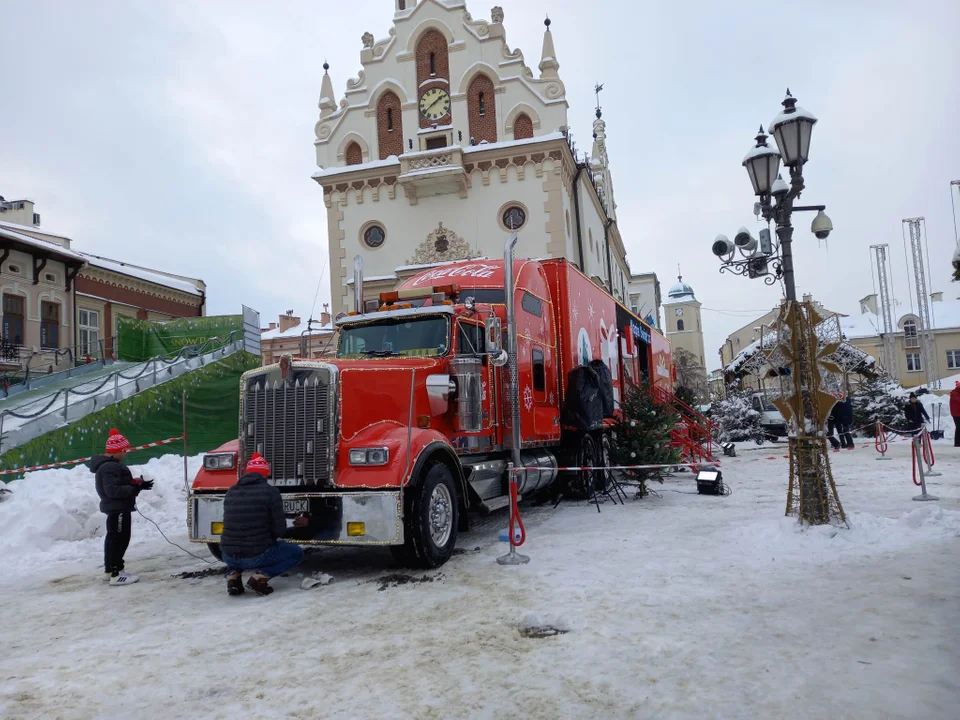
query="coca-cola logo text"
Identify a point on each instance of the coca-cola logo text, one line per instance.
(474, 270)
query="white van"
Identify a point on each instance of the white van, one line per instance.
(772, 422)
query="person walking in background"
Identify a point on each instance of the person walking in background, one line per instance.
(846, 422)
(916, 414)
(253, 523)
(833, 424)
(118, 491)
(955, 413)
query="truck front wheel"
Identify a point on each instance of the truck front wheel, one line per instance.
(430, 522)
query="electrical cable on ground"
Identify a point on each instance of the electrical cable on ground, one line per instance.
(198, 557)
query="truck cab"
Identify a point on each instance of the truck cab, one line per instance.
(771, 420)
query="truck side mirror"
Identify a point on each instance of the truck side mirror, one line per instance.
(493, 334)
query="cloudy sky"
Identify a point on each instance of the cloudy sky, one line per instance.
(180, 134)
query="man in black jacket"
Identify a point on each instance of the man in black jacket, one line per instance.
(915, 413)
(253, 523)
(845, 418)
(118, 491)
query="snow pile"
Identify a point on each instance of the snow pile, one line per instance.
(54, 515)
(787, 540)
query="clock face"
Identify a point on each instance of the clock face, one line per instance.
(435, 103)
(679, 312)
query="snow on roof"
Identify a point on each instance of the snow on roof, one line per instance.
(142, 274)
(784, 116)
(855, 359)
(944, 314)
(8, 230)
(512, 143)
(333, 171)
(296, 331)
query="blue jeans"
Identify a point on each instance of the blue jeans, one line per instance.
(278, 558)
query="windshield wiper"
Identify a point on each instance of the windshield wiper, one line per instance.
(380, 353)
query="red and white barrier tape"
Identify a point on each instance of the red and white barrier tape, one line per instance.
(625, 467)
(63, 463)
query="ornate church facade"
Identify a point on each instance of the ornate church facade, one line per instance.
(445, 142)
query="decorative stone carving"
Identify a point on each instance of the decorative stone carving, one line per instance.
(496, 14)
(431, 161)
(367, 39)
(357, 81)
(440, 245)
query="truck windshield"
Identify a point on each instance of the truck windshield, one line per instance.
(410, 337)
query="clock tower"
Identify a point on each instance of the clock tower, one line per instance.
(683, 325)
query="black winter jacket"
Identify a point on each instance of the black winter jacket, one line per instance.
(252, 517)
(916, 414)
(843, 412)
(114, 484)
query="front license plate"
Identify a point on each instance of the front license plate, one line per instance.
(296, 506)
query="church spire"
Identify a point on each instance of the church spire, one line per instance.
(548, 57)
(328, 103)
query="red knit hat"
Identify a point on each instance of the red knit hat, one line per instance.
(258, 465)
(117, 442)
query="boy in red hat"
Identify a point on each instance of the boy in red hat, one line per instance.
(118, 491)
(253, 523)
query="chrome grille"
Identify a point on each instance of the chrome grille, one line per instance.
(289, 424)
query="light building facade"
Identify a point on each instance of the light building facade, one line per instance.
(445, 142)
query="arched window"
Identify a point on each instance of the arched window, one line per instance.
(482, 109)
(910, 338)
(433, 70)
(522, 127)
(389, 125)
(354, 154)
(679, 325)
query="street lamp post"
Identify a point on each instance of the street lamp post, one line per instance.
(801, 397)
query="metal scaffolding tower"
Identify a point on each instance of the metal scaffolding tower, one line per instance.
(886, 311)
(925, 331)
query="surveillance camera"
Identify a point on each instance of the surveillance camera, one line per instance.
(745, 241)
(722, 246)
(821, 226)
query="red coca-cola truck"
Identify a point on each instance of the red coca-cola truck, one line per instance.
(410, 428)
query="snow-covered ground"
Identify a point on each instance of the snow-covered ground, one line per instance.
(677, 606)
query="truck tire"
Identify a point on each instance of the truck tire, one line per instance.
(580, 484)
(214, 549)
(430, 522)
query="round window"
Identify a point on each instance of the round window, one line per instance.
(514, 217)
(374, 236)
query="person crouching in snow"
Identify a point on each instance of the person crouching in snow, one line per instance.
(253, 523)
(118, 491)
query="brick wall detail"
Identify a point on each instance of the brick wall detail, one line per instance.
(115, 293)
(482, 127)
(354, 155)
(522, 127)
(389, 142)
(432, 41)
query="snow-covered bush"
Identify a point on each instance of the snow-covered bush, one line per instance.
(736, 419)
(877, 399)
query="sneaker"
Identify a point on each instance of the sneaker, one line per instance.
(235, 583)
(124, 579)
(260, 584)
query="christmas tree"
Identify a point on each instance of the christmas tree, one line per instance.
(878, 399)
(642, 434)
(736, 418)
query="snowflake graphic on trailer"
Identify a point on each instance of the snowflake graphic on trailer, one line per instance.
(575, 312)
(527, 397)
(590, 309)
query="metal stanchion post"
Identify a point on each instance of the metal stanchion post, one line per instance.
(512, 557)
(881, 441)
(929, 443)
(918, 449)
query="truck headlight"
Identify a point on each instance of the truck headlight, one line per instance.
(219, 461)
(369, 456)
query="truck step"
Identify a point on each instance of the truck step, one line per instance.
(493, 504)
